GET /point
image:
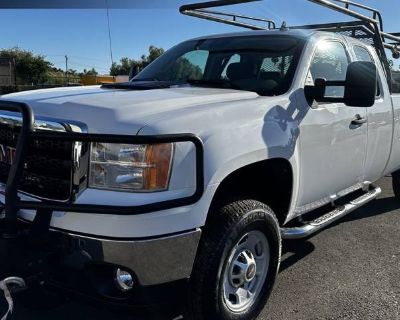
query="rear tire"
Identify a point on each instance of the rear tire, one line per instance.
(237, 263)
(396, 184)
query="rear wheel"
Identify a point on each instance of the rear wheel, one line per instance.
(237, 263)
(396, 184)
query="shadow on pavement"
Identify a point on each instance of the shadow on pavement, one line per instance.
(294, 251)
(372, 209)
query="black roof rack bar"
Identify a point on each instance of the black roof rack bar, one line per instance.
(270, 23)
(212, 4)
(391, 36)
(335, 25)
(199, 10)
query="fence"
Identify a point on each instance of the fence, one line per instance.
(8, 84)
(19, 88)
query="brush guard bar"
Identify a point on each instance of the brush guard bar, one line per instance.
(13, 203)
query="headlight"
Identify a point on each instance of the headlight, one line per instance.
(129, 167)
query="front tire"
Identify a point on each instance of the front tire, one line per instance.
(237, 263)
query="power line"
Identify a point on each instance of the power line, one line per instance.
(109, 32)
(86, 65)
(75, 65)
(88, 58)
(74, 56)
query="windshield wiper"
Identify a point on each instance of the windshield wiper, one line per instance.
(136, 85)
(144, 79)
(222, 84)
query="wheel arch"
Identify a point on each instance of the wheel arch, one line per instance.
(269, 181)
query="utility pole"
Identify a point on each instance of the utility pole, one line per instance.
(66, 70)
(10, 72)
(15, 72)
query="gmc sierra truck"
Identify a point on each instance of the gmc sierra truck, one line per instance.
(181, 183)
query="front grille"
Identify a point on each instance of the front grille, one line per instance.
(48, 167)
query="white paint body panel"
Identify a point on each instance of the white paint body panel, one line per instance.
(238, 128)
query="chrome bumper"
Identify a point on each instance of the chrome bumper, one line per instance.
(153, 261)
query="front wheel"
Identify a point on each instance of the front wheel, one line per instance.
(237, 263)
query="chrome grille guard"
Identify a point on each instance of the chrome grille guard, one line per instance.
(13, 203)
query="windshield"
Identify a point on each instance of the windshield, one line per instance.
(264, 64)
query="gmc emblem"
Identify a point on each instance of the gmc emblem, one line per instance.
(7, 154)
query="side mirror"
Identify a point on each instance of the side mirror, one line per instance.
(361, 84)
(317, 91)
(133, 72)
(359, 87)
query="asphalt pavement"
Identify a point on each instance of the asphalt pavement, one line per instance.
(349, 271)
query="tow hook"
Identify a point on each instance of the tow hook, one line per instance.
(8, 286)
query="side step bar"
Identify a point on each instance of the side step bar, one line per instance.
(328, 218)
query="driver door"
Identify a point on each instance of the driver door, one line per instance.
(332, 146)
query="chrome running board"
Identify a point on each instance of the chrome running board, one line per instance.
(328, 218)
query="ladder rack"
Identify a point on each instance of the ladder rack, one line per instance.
(370, 19)
(199, 10)
(376, 20)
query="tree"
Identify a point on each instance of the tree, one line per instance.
(126, 64)
(91, 72)
(183, 69)
(30, 68)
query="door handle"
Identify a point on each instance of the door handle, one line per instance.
(358, 120)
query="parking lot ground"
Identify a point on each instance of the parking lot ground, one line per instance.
(349, 271)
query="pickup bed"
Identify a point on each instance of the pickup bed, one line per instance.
(188, 177)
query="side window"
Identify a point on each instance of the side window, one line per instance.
(362, 54)
(396, 81)
(276, 64)
(233, 59)
(395, 70)
(330, 62)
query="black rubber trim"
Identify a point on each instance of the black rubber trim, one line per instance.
(108, 238)
(13, 203)
(211, 4)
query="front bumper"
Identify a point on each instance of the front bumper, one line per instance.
(153, 261)
(87, 266)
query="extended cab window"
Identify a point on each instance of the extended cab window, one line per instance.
(395, 81)
(330, 62)
(395, 70)
(263, 64)
(362, 54)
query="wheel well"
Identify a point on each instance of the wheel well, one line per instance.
(268, 181)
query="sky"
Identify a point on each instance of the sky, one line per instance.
(82, 34)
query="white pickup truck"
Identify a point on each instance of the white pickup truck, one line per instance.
(187, 178)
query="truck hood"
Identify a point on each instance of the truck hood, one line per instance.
(117, 111)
